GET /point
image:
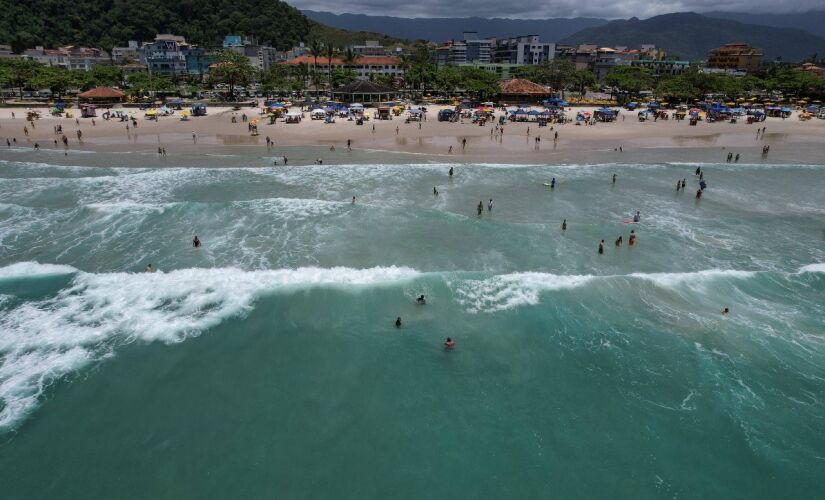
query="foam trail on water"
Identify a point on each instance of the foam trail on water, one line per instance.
(508, 291)
(41, 341)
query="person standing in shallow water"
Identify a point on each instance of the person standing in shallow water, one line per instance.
(398, 322)
(480, 207)
(601, 247)
(564, 225)
(196, 243)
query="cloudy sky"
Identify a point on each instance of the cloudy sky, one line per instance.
(555, 8)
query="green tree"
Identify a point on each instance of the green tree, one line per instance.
(478, 81)
(315, 50)
(341, 76)
(19, 72)
(557, 73)
(677, 89)
(141, 83)
(104, 75)
(232, 69)
(630, 79)
(582, 80)
(57, 80)
(329, 51)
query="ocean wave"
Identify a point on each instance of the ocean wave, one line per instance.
(508, 291)
(46, 339)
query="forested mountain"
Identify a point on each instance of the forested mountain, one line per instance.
(107, 23)
(812, 21)
(446, 28)
(691, 36)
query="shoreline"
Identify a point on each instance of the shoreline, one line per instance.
(791, 140)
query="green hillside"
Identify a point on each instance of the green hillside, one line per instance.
(691, 36)
(107, 23)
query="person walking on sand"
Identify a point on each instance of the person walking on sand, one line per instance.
(194, 137)
(463, 143)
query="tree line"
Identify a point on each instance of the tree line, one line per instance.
(420, 74)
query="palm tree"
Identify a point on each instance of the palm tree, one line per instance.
(330, 51)
(315, 49)
(350, 59)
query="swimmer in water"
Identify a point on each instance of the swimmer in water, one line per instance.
(678, 185)
(564, 225)
(684, 183)
(614, 178)
(353, 200)
(421, 300)
(451, 171)
(632, 239)
(601, 247)
(196, 242)
(149, 268)
(619, 241)
(553, 183)
(435, 191)
(490, 205)
(449, 343)
(398, 322)
(480, 207)
(725, 311)
(637, 216)
(698, 193)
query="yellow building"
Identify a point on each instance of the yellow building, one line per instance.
(735, 56)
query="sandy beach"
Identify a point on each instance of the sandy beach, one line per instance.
(790, 139)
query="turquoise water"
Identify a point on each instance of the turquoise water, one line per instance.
(266, 363)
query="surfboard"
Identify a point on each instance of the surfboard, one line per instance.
(629, 221)
(546, 184)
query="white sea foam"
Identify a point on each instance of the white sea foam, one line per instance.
(508, 291)
(43, 340)
(668, 280)
(813, 268)
(293, 208)
(34, 270)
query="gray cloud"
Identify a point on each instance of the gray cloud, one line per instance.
(535, 9)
